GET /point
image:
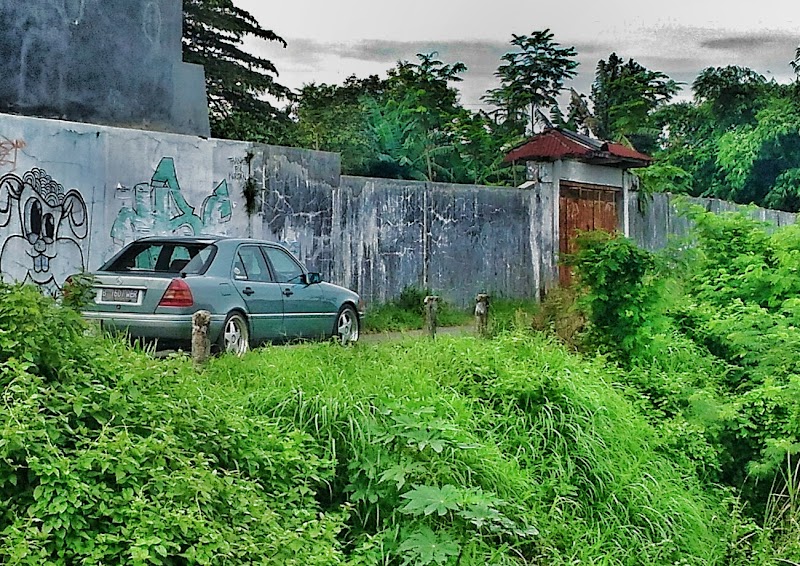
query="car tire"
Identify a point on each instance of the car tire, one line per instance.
(235, 335)
(347, 326)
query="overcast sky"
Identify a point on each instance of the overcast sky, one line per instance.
(329, 40)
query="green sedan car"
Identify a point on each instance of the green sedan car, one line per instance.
(256, 292)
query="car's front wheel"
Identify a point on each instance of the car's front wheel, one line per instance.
(235, 337)
(347, 325)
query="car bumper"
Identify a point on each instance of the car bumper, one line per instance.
(163, 327)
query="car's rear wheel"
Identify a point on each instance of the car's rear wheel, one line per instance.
(347, 325)
(235, 337)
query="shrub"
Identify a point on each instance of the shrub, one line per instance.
(622, 293)
(107, 456)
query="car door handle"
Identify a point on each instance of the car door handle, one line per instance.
(288, 292)
(248, 291)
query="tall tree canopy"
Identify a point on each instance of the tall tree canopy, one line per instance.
(336, 118)
(732, 94)
(737, 140)
(410, 125)
(624, 95)
(236, 81)
(533, 76)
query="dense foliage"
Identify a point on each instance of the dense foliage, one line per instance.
(109, 458)
(678, 444)
(737, 139)
(715, 360)
(532, 76)
(409, 125)
(624, 96)
(466, 451)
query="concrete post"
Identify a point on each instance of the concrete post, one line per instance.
(482, 314)
(201, 346)
(431, 303)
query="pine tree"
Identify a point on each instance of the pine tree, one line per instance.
(236, 81)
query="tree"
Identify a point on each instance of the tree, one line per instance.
(579, 118)
(412, 121)
(336, 118)
(624, 95)
(732, 94)
(761, 162)
(236, 81)
(533, 76)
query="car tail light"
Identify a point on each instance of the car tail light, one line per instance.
(177, 294)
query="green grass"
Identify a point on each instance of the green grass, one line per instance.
(536, 438)
(455, 451)
(393, 318)
(406, 313)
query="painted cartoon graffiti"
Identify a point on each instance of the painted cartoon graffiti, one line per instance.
(8, 151)
(41, 229)
(159, 208)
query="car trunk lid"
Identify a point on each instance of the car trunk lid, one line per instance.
(139, 293)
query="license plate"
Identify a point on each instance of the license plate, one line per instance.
(120, 296)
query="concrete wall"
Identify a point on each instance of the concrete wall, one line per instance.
(656, 221)
(115, 62)
(457, 240)
(73, 194)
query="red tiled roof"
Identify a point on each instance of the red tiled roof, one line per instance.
(549, 144)
(622, 151)
(554, 144)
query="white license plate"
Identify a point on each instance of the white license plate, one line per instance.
(120, 296)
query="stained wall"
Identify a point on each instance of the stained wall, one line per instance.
(113, 62)
(72, 194)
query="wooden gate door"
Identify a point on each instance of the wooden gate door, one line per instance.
(584, 207)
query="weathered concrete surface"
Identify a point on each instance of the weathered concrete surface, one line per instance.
(115, 62)
(378, 235)
(295, 193)
(456, 240)
(72, 194)
(482, 239)
(658, 220)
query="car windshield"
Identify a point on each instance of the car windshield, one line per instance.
(163, 257)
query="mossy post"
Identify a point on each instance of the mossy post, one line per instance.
(201, 345)
(431, 303)
(482, 314)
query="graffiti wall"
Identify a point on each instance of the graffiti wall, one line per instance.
(42, 227)
(71, 195)
(159, 207)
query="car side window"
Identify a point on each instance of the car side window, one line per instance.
(250, 265)
(287, 270)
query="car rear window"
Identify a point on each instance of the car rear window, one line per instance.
(163, 257)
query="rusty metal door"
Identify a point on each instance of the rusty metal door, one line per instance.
(582, 208)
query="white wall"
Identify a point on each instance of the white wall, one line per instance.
(72, 194)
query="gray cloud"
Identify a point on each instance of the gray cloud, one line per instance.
(755, 41)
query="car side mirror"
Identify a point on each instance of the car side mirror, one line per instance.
(312, 278)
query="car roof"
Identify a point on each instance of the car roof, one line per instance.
(211, 239)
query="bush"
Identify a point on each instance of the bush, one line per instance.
(622, 295)
(109, 457)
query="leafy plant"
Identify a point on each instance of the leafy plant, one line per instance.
(623, 293)
(78, 291)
